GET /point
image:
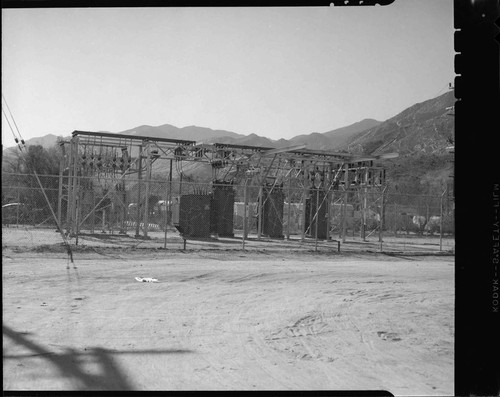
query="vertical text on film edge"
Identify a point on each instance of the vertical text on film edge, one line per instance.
(495, 246)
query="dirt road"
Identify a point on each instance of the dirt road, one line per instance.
(228, 320)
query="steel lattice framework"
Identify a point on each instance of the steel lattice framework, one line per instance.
(117, 156)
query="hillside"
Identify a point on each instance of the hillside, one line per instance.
(423, 128)
(45, 141)
(327, 140)
(191, 133)
(341, 136)
(420, 134)
(10, 153)
(251, 140)
(313, 141)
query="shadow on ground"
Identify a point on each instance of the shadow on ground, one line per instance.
(70, 363)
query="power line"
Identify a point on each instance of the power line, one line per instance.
(11, 129)
(13, 119)
(22, 147)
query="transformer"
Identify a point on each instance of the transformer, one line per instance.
(194, 215)
(272, 212)
(321, 217)
(222, 209)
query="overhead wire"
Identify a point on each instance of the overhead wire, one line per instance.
(13, 119)
(22, 148)
(11, 129)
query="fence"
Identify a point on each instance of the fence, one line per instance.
(107, 212)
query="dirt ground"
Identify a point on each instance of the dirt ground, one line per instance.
(228, 320)
(25, 237)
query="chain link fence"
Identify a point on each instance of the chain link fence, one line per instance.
(132, 213)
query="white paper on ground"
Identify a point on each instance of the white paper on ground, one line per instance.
(146, 280)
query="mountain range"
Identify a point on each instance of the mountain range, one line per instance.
(420, 134)
(326, 140)
(422, 128)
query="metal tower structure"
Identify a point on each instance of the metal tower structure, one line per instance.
(115, 157)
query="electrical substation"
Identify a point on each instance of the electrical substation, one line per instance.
(111, 176)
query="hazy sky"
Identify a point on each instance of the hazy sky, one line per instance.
(276, 72)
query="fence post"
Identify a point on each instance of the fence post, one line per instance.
(165, 225)
(364, 200)
(330, 198)
(441, 221)
(77, 220)
(72, 211)
(70, 191)
(317, 219)
(395, 212)
(245, 203)
(169, 197)
(123, 209)
(76, 190)
(304, 202)
(139, 179)
(92, 215)
(382, 220)
(60, 191)
(261, 202)
(289, 208)
(180, 181)
(344, 217)
(147, 192)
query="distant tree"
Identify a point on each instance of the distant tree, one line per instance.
(34, 158)
(18, 175)
(43, 161)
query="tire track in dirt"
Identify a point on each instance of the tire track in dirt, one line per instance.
(389, 342)
(249, 322)
(238, 326)
(301, 341)
(258, 352)
(323, 336)
(290, 347)
(279, 367)
(211, 314)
